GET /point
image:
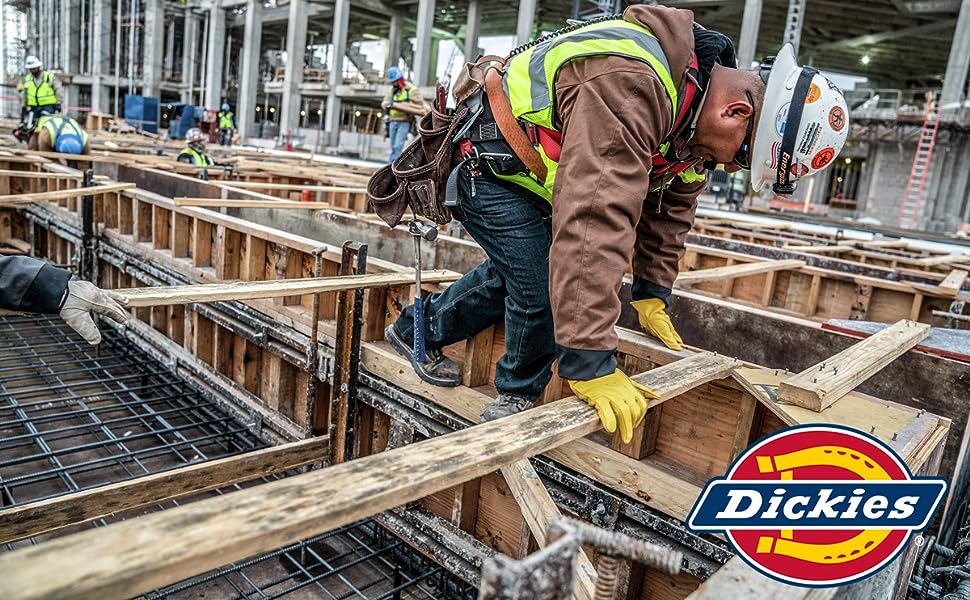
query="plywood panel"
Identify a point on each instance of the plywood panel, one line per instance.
(499, 519)
(658, 585)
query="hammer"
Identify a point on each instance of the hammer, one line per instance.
(419, 230)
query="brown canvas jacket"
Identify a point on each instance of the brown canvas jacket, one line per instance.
(614, 113)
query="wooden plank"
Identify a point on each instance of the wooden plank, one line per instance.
(953, 282)
(817, 249)
(244, 290)
(96, 191)
(155, 550)
(85, 506)
(478, 358)
(737, 581)
(236, 203)
(36, 174)
(181, 232)
(942, 259)
(201, 243)
(822, 384)
(295, 187)
(539, 511)
(733, 271)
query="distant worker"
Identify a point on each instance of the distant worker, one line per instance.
(194, 152)
(403, 102)
(227, 125)
(55, 133)
(40, 90)
(33, 286)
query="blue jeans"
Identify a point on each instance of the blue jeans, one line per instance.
(397, 133)
(512, 284)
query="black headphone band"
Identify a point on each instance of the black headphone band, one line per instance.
(783, 184)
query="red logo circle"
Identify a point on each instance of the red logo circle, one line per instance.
(823, 157)
(818, 557)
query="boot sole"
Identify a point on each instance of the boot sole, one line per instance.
(405, 350)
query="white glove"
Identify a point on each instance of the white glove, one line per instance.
(83, 298)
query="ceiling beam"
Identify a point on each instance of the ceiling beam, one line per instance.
(875, 38)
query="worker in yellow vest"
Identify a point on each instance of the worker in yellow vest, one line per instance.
(40, 90)
(227, 125)
(194, 151)
(402, 102)
(56, 133)
(585, 152)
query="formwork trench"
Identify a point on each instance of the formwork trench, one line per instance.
(75, 417)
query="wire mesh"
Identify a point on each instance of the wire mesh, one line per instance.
(74, 417)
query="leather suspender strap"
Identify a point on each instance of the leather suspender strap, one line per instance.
(509, 125)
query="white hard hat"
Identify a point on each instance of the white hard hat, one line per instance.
(194, 135)
(803, 125)
(32, 62)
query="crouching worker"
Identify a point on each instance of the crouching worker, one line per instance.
(57, 133)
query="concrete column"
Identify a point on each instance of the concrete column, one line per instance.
(100, 53)
(168, 66)
(249, 77)
(341, 20)
(422, 45)
(295, 55)
(215, 49)
(154, 48)
(190, 51)
(793, 23)
(527, 15)
(70, 50)
(394, 42)
(750, 23)
(956, 68)
(472, 27)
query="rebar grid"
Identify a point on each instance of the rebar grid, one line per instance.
(74, 417)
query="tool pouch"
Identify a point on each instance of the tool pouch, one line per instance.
(419, 176)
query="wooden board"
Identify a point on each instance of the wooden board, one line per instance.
(737, 581)
(235, 203)
(294, 187)
(734, 271)
(81, 507)
(953, 282)
(14, 199)
(213, 292)
(822, 384)
(818, 249)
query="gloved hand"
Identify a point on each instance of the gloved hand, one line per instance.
(656, 322)
(83, 298)
(618, 400)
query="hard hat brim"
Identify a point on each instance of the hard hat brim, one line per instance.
(777, 97)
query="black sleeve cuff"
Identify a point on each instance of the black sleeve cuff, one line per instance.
(643, 289)
(46, 292)
(583, 365)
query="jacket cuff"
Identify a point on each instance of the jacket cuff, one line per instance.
(643, 289)
(47, 292)
(583, 365)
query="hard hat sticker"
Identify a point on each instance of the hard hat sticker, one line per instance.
(824, 157)
(837, 118)
(818, 505)
(781, 118)
(814, 93)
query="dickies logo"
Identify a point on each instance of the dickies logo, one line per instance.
(818, 505)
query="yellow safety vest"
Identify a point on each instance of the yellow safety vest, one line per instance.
(199, 159)
(401, 95)
(40, 95)
(57, 125)
(225, 120)
(530, 78)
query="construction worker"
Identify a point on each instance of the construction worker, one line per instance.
(227, 125)
(59, 134)
(33, 286)
(402, 102)
(194, 151)
(41, 91)
(609, 126)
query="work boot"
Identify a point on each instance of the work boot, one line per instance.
(437, 369)
(505, 405)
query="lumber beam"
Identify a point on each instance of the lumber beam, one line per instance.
(953, 282)
(817, 249)
(247, 290)
(37, 174)
(539, 511)
(237, 203)
(155, 550)
(15, 199)
(291, 187)
(822, 384)
(734, 271)
(88, 505)
(942, 259)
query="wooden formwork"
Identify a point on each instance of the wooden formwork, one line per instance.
(257, 350)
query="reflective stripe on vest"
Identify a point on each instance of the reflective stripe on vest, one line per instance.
(402, 95)
(197, 157)
(40, 95)
(530, 78)
(225, 120)
(56, 125)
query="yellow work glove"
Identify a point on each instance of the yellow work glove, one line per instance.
(617, 400)
(654, 320)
